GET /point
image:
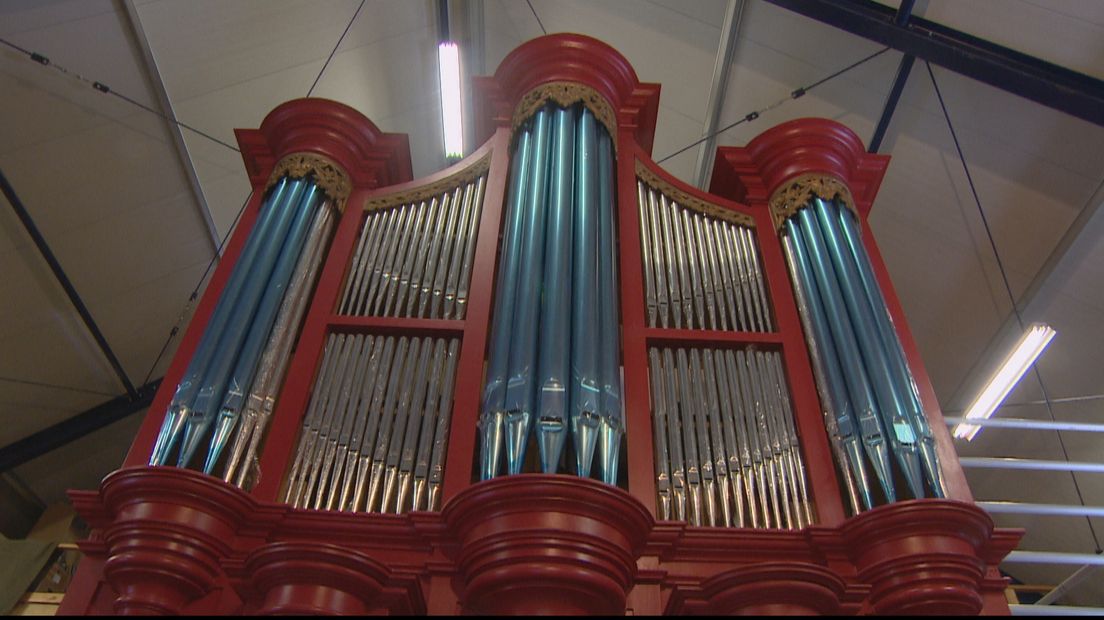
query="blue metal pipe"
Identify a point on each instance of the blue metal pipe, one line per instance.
(891, 404)
(246, 367)
(214, 381)
(613, 426)
(585, 307)
(862, 397)
(177, 413)
(554, 353)
(898, 365)
(520, 391)
(493, 412)
(828, 360)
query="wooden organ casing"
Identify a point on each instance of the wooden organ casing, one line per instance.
(173, 540)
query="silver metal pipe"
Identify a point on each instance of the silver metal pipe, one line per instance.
(393, 269)
(331, 432)
(440, 436)
(469, 250)
(747, 277)
(716, 279)
(701, 425)
(685, 316)
(691, 261)
(417, 275)
(373, 460)
(425, 435)
(448, 248)
(452, 281)
(755, 440)
(720, 460)
(738, 397)
(659, 430)
(661, 260)
(314, 458)
(740, 275)
(783, 462)
(791, 432)
(392, 425)
(360, 415)
(381, 272)
(706, 267)
(401, 453)
(729, 424)
(753, 254)
(396, 296)
(646, 248)
(309, 433)
(674, 435)
(373, 264)
(734, 314)
(772, 445)
(385, 380)
(356, 270)
(433, 259)
(347, 409)
(689, 423)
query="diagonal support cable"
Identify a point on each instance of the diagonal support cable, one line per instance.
(1008, 289)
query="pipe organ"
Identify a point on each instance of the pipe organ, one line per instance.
(551, 378)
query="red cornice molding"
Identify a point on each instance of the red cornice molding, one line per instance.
(331, 129)
(170, 540)
(750, 174)
(567, 58)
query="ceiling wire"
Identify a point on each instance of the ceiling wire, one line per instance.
(539, 22)
(799, 92)
(218, 254)
(1008, 290)
(337, 45)
(105, 89)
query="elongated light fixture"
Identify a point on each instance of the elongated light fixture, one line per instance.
(448, 60)
(1027, 350)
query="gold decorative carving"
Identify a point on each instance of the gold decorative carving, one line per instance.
(425, 192)
(691, 202)
(328, 175)
(796, 193)
(567, 94)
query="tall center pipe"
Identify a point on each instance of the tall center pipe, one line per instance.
(585, 345)
(555, 324)
(520, 392)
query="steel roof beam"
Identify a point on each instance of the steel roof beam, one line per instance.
(1040, 81)
(66, 431)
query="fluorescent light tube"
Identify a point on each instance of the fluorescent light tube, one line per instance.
(1027, 350)
(448, 61)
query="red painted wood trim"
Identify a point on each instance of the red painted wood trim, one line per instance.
(639, 438)
(468, 393)
(706, 337)
(439, 328)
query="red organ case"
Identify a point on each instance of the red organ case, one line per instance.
(776, 528)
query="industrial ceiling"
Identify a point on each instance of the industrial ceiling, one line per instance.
(134, 208)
